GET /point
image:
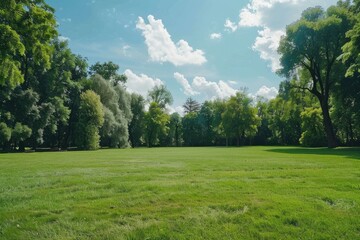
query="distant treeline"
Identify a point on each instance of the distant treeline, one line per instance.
(51, 98)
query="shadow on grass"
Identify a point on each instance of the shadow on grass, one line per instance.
(353, 153)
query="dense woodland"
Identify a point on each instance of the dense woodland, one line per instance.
(51, 98)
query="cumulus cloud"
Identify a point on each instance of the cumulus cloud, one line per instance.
(230, 26)
(215, 36)
(161, 47)
(140, 84)
(209, 89)
(187, 89)
(267, 44)
(267, 92)
(272, 16)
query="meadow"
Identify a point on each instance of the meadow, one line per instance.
(182, 193)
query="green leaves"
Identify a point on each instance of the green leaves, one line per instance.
(26, 31)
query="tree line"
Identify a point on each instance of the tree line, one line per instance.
(51, 98)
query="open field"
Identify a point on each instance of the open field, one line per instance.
(182, 193)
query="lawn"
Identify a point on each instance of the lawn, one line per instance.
(182, 193)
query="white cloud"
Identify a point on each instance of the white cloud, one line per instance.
(267, 92)
(201, 86)
(161, 48)
(215, 36)
(267, 44)
(63, 39)
(188, 90)
(140, 84)
(272, 16)
(230, 26)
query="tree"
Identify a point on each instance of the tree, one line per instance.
(313, 132)
(175, 128)
(206, 121)
(5, 134)
(19, 134)
(191, 130)
(136, 124)
(156, 122)
(160, 95)
(191, 105)
(91, 118)
(351, 49)
(108, 70)
(114, 132)
(314, 43)
(239, 118)
(27, 28)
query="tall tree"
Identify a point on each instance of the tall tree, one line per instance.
(160, 95)
(239, 118)
(191, 105)
(91, 118)
(114, 132)
(156, 122)
(314, 43)
(136, 125)
(109, 71)
(27, 29)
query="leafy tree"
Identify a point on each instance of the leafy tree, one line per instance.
(19, 134)
(239, 118)
(5, 133)
(108, 70)
(91, 118)
(206, 121)
(313, 131)
(314, 43)
(191, 105)
(156, 122)
(191, 130)
(27, 29)
(136, 124)
(175, 129)
(263, 133)
(114, 132)
(160, 95)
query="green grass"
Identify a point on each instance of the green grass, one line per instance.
(182, 193)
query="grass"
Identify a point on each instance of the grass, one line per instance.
(182, 193)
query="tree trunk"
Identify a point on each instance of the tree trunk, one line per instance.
(329, 129)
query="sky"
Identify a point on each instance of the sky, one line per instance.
(203, 49)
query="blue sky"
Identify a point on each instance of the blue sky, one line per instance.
(203, 49)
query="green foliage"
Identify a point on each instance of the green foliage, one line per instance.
(137, 124)
(313, 43)
(156, 121)
(108, 70)
(20, 133)
(10, 45)
(313, 134)
(191, 129)
(114, 132)
(91, 118)
(26, 31)
(5, 133)
(160, 95)
(191, 105)
(239, 118)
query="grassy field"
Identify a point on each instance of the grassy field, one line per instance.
(181, 193)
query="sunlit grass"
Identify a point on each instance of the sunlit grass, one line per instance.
(181, 193)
